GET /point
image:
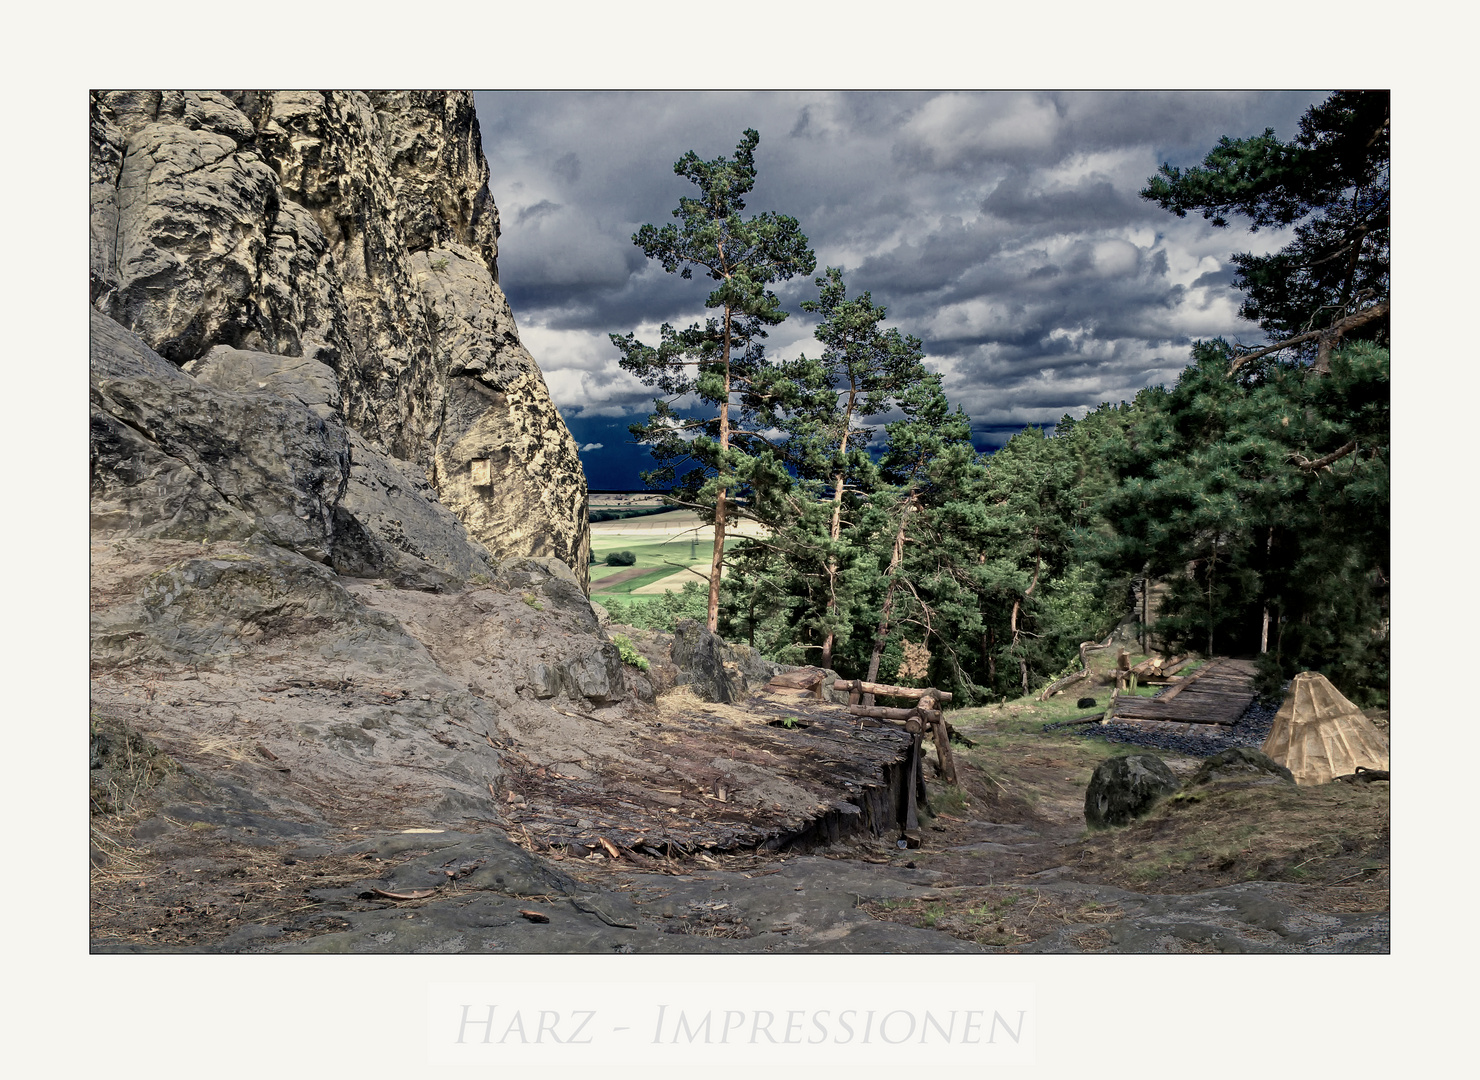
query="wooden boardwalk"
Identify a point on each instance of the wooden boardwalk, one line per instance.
(1217, 693)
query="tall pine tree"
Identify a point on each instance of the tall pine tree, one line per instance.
(721, 363)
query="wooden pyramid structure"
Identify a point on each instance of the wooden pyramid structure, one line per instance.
(1319, 735)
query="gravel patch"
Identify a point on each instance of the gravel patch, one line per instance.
(1251, 730)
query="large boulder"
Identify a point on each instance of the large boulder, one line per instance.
(252, 444)
(391, 524)
(172, 458)
(1126, 787)
(700, 657)
(1241, 763)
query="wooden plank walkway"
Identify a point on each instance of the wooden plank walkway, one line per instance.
(1217, 693)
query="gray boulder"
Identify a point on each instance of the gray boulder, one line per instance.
(252, 444)
(175, 459)
(390, 524)
(597, 676)
(1126, 787)
(298, 378)
(1242, 764)
(700, 657)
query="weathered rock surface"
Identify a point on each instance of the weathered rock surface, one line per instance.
(700, 655)
(1242, 764)
(712, 668)
(354, 231)
(253, 445)
(1126, 787)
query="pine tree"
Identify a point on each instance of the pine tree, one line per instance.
(1332, 182)
(722, 363)
(1263, 502)
(862, 373)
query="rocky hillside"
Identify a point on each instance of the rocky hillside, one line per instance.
(339, 550)
(354, 234)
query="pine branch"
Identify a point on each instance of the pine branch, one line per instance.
(1324, 462)
(1327, 337)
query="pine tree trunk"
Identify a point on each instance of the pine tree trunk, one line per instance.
(836, 530)
(717, 559)
(1264, 630)
(716, 563)
(882, 634)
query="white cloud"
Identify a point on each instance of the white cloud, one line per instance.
(591, 446)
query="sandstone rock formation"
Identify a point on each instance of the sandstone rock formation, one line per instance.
(352, 232)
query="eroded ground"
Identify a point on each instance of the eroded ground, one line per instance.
(1004, 864)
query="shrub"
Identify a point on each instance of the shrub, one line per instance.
(629, 652)
(621, 558)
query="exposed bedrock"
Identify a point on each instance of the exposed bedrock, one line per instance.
(251, 445)
(350, 230)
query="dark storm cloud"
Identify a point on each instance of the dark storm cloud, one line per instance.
(1003, 229)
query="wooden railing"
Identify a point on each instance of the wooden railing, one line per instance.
(916, 720)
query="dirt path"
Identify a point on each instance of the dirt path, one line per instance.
(1003, 866)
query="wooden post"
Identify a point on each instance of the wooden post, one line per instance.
(911, 818)
(937, 723)
(943, 752)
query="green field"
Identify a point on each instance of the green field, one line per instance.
(661, 557)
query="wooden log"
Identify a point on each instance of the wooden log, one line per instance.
(1090, 719)
(878, 712)
(1059, 684)
(1185, 683)
(881, 690)
(911, 818)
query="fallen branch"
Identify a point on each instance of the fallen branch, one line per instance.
(1058, 684)
(1077, 720)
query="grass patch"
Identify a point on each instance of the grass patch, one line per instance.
(1227, 832)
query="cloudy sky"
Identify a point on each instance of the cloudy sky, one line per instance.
(1002, 229)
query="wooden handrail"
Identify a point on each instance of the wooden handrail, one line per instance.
(882, 690)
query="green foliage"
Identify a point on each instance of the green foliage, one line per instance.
(708, 460)
(533, 601)
(1331, 182)
(621, 558)
(661, 612)
(1220, 496)
(629, 652)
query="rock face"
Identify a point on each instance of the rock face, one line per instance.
(252, 446)
(701, 656)
(354, 233)
(1126, 787)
